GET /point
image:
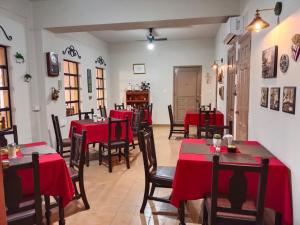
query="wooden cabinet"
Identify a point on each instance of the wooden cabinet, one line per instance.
(137, 98)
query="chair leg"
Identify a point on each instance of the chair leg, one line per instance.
(146, 193)
(76, 190)
(82, 193)
(109, 160)
(61, 212)
(119, 154)
(47, 209)
(205, 215)
(126, 153)
(171, 131)
(152, 190)
(133, 145)
(100, 154)
(87, 156)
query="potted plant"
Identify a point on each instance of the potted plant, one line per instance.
(19, 58)
(217, 140)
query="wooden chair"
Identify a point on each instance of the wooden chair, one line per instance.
(117, 139)
(235, 208)
(119, 107)
(77, 161)
(103, 111)
(62, 144)
(86, 115)
(210, 118)
(23, 210)
(173, 125)
(205, 107)
(214, 129)
(157, 176)
(3, 133)
(135, 125)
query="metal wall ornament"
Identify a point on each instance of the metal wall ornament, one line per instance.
(296, 47)
(284, 63)
(71, 51)
(101, 61)
(8, 37)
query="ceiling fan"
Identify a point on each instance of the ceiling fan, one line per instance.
(153, 36)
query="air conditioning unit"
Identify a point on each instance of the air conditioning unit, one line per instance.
(234, 28)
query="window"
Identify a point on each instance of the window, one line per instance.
(71, 81)
(100, 87)
(5, 107)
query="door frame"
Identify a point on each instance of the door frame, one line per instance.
(198, 77)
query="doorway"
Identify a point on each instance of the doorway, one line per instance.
(186, 90)
(231, 71)
(243, 86)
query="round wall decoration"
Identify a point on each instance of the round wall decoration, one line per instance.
(284, 63)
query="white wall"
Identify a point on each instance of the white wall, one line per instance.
(159, 69)
(278, 131)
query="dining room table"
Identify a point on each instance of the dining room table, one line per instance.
(122, 113)
(193, 175)
(192, 118)
(55, 179)
(96, 132)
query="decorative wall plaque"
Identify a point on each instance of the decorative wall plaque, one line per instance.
(284, 63)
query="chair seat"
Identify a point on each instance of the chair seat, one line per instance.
(66, 142)
(225, 203)
(27, 215)
(163, 174)
(73, 173)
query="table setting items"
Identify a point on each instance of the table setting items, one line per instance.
(98, 118)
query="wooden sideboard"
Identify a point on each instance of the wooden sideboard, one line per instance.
(137, 98)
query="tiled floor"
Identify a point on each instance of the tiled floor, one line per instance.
(115, 198)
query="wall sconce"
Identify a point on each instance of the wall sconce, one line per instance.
(215, 65)
(27, 78)
(258, 23)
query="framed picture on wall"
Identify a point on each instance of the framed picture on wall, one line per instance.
(264, 97)
(139, 69)
(269, 62)
(89, 80)
(289, 100)
(52, 64)
(275, 98)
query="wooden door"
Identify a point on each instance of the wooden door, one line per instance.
(231, 71)
(187, 90)
(243, 86)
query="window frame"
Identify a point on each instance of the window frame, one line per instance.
(72, 88)
(98, 89)
(5, 67)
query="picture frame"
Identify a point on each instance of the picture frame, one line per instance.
(264, 97)
(139, 68)
(89, 80)
(52, 64)
(289, 100)
(275, 98)
(269, 62)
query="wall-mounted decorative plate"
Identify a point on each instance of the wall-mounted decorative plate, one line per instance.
(284, 63)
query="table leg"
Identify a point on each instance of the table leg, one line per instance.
(61, 211)
(87, 156)
(181, 213)
(278, 218)
(187, 132)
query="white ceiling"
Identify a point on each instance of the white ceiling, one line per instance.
(174, 33)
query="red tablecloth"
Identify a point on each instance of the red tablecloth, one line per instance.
(121, 114)
(192, 118)
(193, 179)
(55, 178)
(96, 131)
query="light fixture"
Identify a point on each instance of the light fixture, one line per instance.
(257, 24)
(150, 45)
(215, 65)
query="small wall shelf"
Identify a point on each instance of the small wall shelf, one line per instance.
(137, 98)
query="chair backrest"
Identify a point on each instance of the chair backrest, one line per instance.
(147, 146)
(171, 115)
(86, 115)
(205, 107)
(77, 156)
(59, 140)
(3, 133)
(119, 107)
(13, 191)
(102, 110)
(238, 189)
(118, 130)
(150, 108)
(214, 129)
(136, 122)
